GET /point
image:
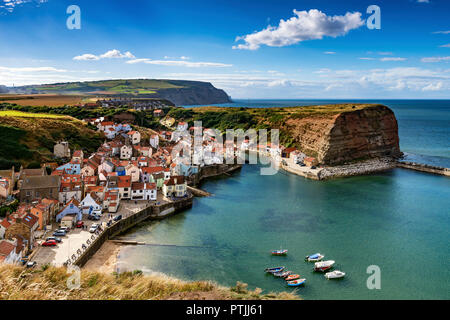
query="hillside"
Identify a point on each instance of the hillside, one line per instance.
(180, 92)
(28, 138)
(334, 134)
(50, 283)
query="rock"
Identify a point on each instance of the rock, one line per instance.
(370, 132)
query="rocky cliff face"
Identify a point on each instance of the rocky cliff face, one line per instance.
(348, 136)
(200, 93)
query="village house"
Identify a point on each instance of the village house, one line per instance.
(9, 178)
(105, 125)
(310, 161)
(154, 141)
(39, 187)
(158, 113)
(61, 149)
(111, 201)
(144, 151)
(5, 187)
(124, 186)
(175, 187)
(42, 212)
(133, 171)
(78, 156)
(91, 204)
(134, 136)
(126, 152)
(4, 224)
(24, 227)
(53, 205)
(73, 209)
(286, 153)
(143, 191)
(70, 188)
(11, 251)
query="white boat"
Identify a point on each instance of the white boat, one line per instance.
(314, 257)
(334, 274)
(323, 265)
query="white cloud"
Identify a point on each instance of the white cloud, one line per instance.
(435, 59)
(442, 32)
(423, 1)
(111, 54)
(32, 69)
(393, 59)
(117, 54)
(179, 63)
(445, 45)
(330, 52)
(433, 86)
(86, 57)
(9, 5)
(305, 25)
(366, 58)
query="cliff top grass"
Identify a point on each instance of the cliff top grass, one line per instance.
(28, 138)
(50, 283)
(329, 109)
(20, 114)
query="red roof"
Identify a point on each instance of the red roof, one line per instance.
(6, 248)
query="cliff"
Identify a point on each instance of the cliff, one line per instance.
(368, 132)
(334, 134)
(205, 93)
(180, 92)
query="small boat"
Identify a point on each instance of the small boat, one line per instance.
(282, 274)
(296, 283)
(281, 252)
(334, 274)
(292, 277)
(323, 265)
(274, 269)
(314, 257)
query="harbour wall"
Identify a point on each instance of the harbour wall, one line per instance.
(424, 168)
(154, 212)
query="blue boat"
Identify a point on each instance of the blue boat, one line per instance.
(274, 269)
(314, 257)
(296, 283)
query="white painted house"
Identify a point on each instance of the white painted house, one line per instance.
(90, 206)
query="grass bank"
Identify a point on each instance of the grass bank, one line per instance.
(50, 283)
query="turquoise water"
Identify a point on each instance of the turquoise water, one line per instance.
(398, 220)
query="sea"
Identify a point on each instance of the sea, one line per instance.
(389, 232)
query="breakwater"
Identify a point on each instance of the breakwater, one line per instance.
(424, 168)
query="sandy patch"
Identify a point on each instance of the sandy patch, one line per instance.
(105, 259)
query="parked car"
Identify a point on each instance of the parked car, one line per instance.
(313, 167)
(65, 229)
(117, 218)
(59, 233)
(31, 264)
(93, 217)
(93, 228)
(79, 224)
(54, 238)
(49, 243)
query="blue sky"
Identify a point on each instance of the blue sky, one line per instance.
(251, 49)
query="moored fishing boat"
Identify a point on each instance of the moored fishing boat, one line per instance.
(292, 277)
(323, 265)
(274, 269)
(334, 274)
(296, 283)
(282, 274)
(281, 252)
(314, 257)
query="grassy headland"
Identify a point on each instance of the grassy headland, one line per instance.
(50, 283)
